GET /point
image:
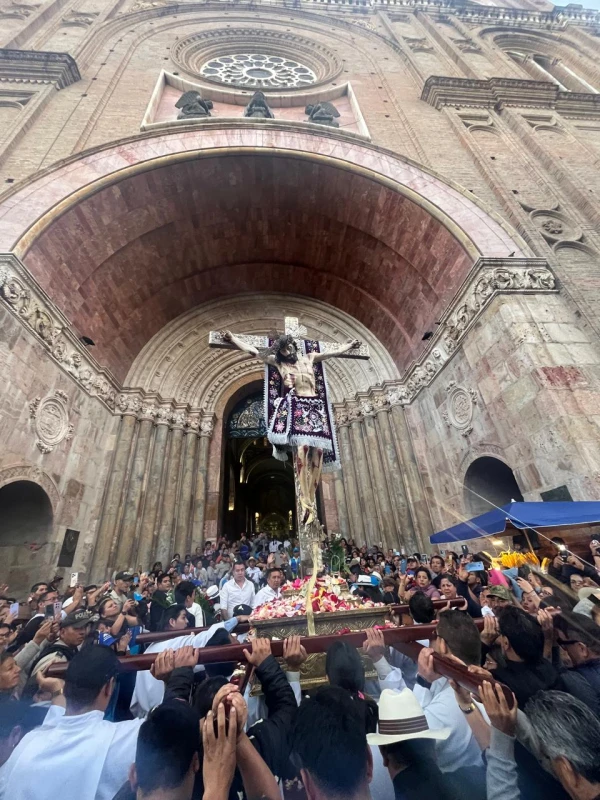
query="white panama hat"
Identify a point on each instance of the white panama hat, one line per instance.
(400, 718)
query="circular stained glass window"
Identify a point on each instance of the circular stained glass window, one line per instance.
(258, 71)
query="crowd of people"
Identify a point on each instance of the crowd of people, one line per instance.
(382, 725)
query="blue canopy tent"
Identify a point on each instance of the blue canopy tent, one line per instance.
(521, 515)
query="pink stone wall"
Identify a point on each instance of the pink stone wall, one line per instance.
(77, 468)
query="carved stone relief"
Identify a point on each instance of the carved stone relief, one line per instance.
(460, 404)
(51, 420)
(419, 45)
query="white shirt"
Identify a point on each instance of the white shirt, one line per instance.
(196, 611)
(274, 545)
(149, 692)
(82, 757)
(254, 574)
(265, 595)
(232, 595)
(439, 704)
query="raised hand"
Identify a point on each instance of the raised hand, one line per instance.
(501, 716)
(294, 654)
(164, 665)
(218, 742)
(186, 656)
(261, 650)
(490, 631)
(43, 632)
(374, 645)
(425, 665)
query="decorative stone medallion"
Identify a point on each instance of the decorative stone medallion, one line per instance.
(51, 420)
(459, 408)
(258, 70)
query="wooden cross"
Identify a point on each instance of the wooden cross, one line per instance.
(292, 328)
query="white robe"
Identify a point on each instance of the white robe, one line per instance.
(83, 757)
(149, 692)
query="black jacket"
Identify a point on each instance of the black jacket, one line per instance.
(271, 736)
(527, 679)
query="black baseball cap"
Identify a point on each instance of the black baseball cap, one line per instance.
(92, 667)
(124, 576)
(78, 619)
(242, 610)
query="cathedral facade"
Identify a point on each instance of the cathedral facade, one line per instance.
(423, 177)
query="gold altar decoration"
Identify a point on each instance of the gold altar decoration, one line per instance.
(312, 672)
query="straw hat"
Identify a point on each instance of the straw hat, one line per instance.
(400, 718)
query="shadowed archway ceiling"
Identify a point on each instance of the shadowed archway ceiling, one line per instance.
(127, 260)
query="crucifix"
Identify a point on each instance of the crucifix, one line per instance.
(298, 414)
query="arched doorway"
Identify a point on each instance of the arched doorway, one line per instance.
(26, 520)
(489, 482)
(258, 490)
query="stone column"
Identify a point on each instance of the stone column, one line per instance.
(199, 503)
(415, 493)
(166, 529)
(365, 488)
(112, 499)
(350, 485)
(129, 524)
(341, 503)
(405, 531)
(156, 476)
(183, 536)
(380, 482)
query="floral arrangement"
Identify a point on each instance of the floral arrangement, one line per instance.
(327, 596)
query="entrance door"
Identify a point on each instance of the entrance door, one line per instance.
(259, 490)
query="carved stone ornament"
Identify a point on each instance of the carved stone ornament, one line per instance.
(459, 408)
(17, 11)
(51, 421)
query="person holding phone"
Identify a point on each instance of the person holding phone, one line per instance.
(45, 607)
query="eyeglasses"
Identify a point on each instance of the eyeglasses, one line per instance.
(567, 642)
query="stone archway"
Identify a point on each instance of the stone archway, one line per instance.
(489, 482)
(129, 238)
(26, 527)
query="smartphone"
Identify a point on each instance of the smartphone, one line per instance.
(465, 550)
(49, 611)
(74, 579)
(424, 558)
(403, 566)
(136, 580)
(475, 566)
(14, 609)
(57, 610)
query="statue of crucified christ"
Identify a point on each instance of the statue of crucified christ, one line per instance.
(301, 419)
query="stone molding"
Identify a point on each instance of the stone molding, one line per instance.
(489, 278)
(445, 91)
(36, 66)
(27, 472)
(29, 303)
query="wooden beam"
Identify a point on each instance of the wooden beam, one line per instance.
(244, 627)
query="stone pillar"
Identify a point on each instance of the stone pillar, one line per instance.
(199, 502)
(415, 493)
(129, 524)
(405, 531)
(166, 530)
(350, 486)
(183, 536)
(380, 482)
(156, 476)
(341, 504)
(112, 499)
(371, 529)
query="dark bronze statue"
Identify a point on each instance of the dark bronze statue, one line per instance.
(323, 114)
(258, 108)
(192, 105)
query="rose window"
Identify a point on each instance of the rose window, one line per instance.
(258, 71)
